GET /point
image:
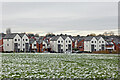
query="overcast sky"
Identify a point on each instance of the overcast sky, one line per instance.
(59, 17)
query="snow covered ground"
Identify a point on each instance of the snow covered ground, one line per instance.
(47, 65)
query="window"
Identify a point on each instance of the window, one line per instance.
(61, 41)
(92, 41)
(19, 44)
(23, 39)
(99, 45)
(61, 45)
(66, 45)
(58, 41)
(102, 41)
(15, 39)
(23, 44)
(26, 40)
(95, 41)
(66, 49)
(99, 41)
(95, 45)
(66, 41)
(69, 41)
(18, 39)
(7, 39)
(34, 44)
(7, 44)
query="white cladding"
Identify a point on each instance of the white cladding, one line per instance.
(25, 40)
(8, 44)
(45, 46)
(60, 41)
(98, 44)
(34, 45)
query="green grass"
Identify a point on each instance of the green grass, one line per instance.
(59, 65)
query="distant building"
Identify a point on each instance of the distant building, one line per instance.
(16, 42)
(61, 44)
(92, 44)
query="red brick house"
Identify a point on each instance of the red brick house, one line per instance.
(1, 45)
(1, 41)
(80, 44)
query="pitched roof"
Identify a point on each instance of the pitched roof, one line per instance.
(10, 36)
(31, 40)
(21, 34)
(97, 37)
(88, 38)
(55, 38)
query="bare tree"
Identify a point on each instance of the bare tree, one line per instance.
(8, 31)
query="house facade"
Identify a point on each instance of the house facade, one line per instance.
(61, 44)
(92, 44)
(15, 42)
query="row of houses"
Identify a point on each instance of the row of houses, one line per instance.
(21, 42)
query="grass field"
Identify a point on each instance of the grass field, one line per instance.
(59, 65)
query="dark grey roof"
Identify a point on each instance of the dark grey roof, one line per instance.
(31, 40)
(55, 38)
(64, 37)
(39, 41)
(10, 36)
(21, 34)
(88, 38)
(97, 37)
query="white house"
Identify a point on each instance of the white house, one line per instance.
(13, 42)
(94, 44)
(25, 42)
(61, 44)
(101, 43)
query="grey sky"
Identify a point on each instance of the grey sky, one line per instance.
(72, 18)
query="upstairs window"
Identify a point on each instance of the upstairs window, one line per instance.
(7, 44)
(69, 41)
(26, 39)
(92, 41)
(23, 44)
(102, 41)
(95, 41)
(15, 39)
(34, 44)
(58, 41)
(61, 41)
(23, 39)
(99, 41)
(18, 39)
(66, 41)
